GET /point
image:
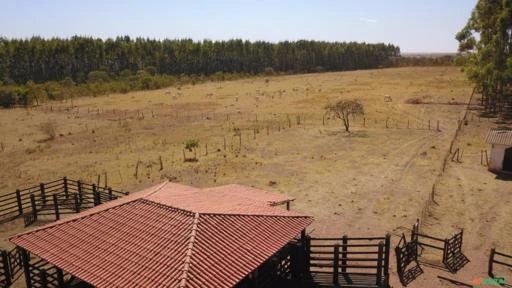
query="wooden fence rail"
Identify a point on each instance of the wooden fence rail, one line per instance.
(349, 261)
(498, 258)
(55, 197)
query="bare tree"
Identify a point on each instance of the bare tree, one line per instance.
(343, 109)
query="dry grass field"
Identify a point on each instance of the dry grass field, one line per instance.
(373, 180)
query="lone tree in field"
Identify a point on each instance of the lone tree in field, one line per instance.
(343, 109)
(191, 146)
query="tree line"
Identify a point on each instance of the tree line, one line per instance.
(486, 45)
(42, 60)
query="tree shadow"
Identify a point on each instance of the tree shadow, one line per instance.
(357, 134)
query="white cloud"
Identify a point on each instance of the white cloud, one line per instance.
(368, 20)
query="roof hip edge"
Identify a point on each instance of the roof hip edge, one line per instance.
(190, 248)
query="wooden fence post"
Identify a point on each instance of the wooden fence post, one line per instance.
(344, 249)
(94, 195)
(65, 181)
(79, 189)
(56, 206)
(445, 250)
(25, 259)
(60, 277)
(491, 260)
(42, 277)
(428, 124)
(336, 264)
(379, 264)
(18, 200)
(110, 193)
(77, 203)
(386, 255)
(7, 270)
(43, 195)
(34, 207)
(307, 248)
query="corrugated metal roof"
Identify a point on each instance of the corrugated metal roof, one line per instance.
(169, 235)
(499, 136)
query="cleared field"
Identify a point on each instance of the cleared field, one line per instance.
(368, 182)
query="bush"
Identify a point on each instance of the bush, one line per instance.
(151, 70)
(98, 77)
(7, 97)
(268, 71)
(126, 73)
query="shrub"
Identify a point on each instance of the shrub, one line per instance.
(125, 73)
(98, 76)
(151, 70)
(7, 97)
(268, 71)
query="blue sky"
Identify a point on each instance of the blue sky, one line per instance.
(414, 25)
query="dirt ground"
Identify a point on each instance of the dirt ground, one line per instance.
(373, 180)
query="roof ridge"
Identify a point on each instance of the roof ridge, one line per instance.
(188, 255)
(78, 216)
(255, 214)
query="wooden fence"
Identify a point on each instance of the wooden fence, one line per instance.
(57, 197)
(498, 258)
(41, 274)
(10, 266)
(407, 253)
(349, 261)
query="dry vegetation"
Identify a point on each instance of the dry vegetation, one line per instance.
(270, 133)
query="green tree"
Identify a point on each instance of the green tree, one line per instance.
(486, 40)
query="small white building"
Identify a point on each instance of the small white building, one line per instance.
(501, 150)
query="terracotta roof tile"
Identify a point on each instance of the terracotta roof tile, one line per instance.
(169, 235)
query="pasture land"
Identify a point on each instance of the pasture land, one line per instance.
(269, 132)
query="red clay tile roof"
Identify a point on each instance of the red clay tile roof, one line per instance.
(169, 235)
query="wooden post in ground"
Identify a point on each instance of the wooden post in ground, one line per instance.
(56, 206)
(344, 248)
(77, 203)
(43, 195)
(7, 270)
(65, 183)
(79, 188)
(386, 254)
(42, 278)
(336, 264)
(34, 206)
(438, 126)
(60, 277)
(428, 124)
(18, 200)
(25, 259)
(490, 264)
(379, 264)
(110, 196)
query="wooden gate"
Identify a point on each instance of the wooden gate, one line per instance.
(11, 267)
(407, 254)
(454, 260)
(349, 261)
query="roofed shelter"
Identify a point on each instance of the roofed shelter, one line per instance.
(501, 150)
(169, 235)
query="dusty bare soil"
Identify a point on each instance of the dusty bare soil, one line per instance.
(368, 182)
